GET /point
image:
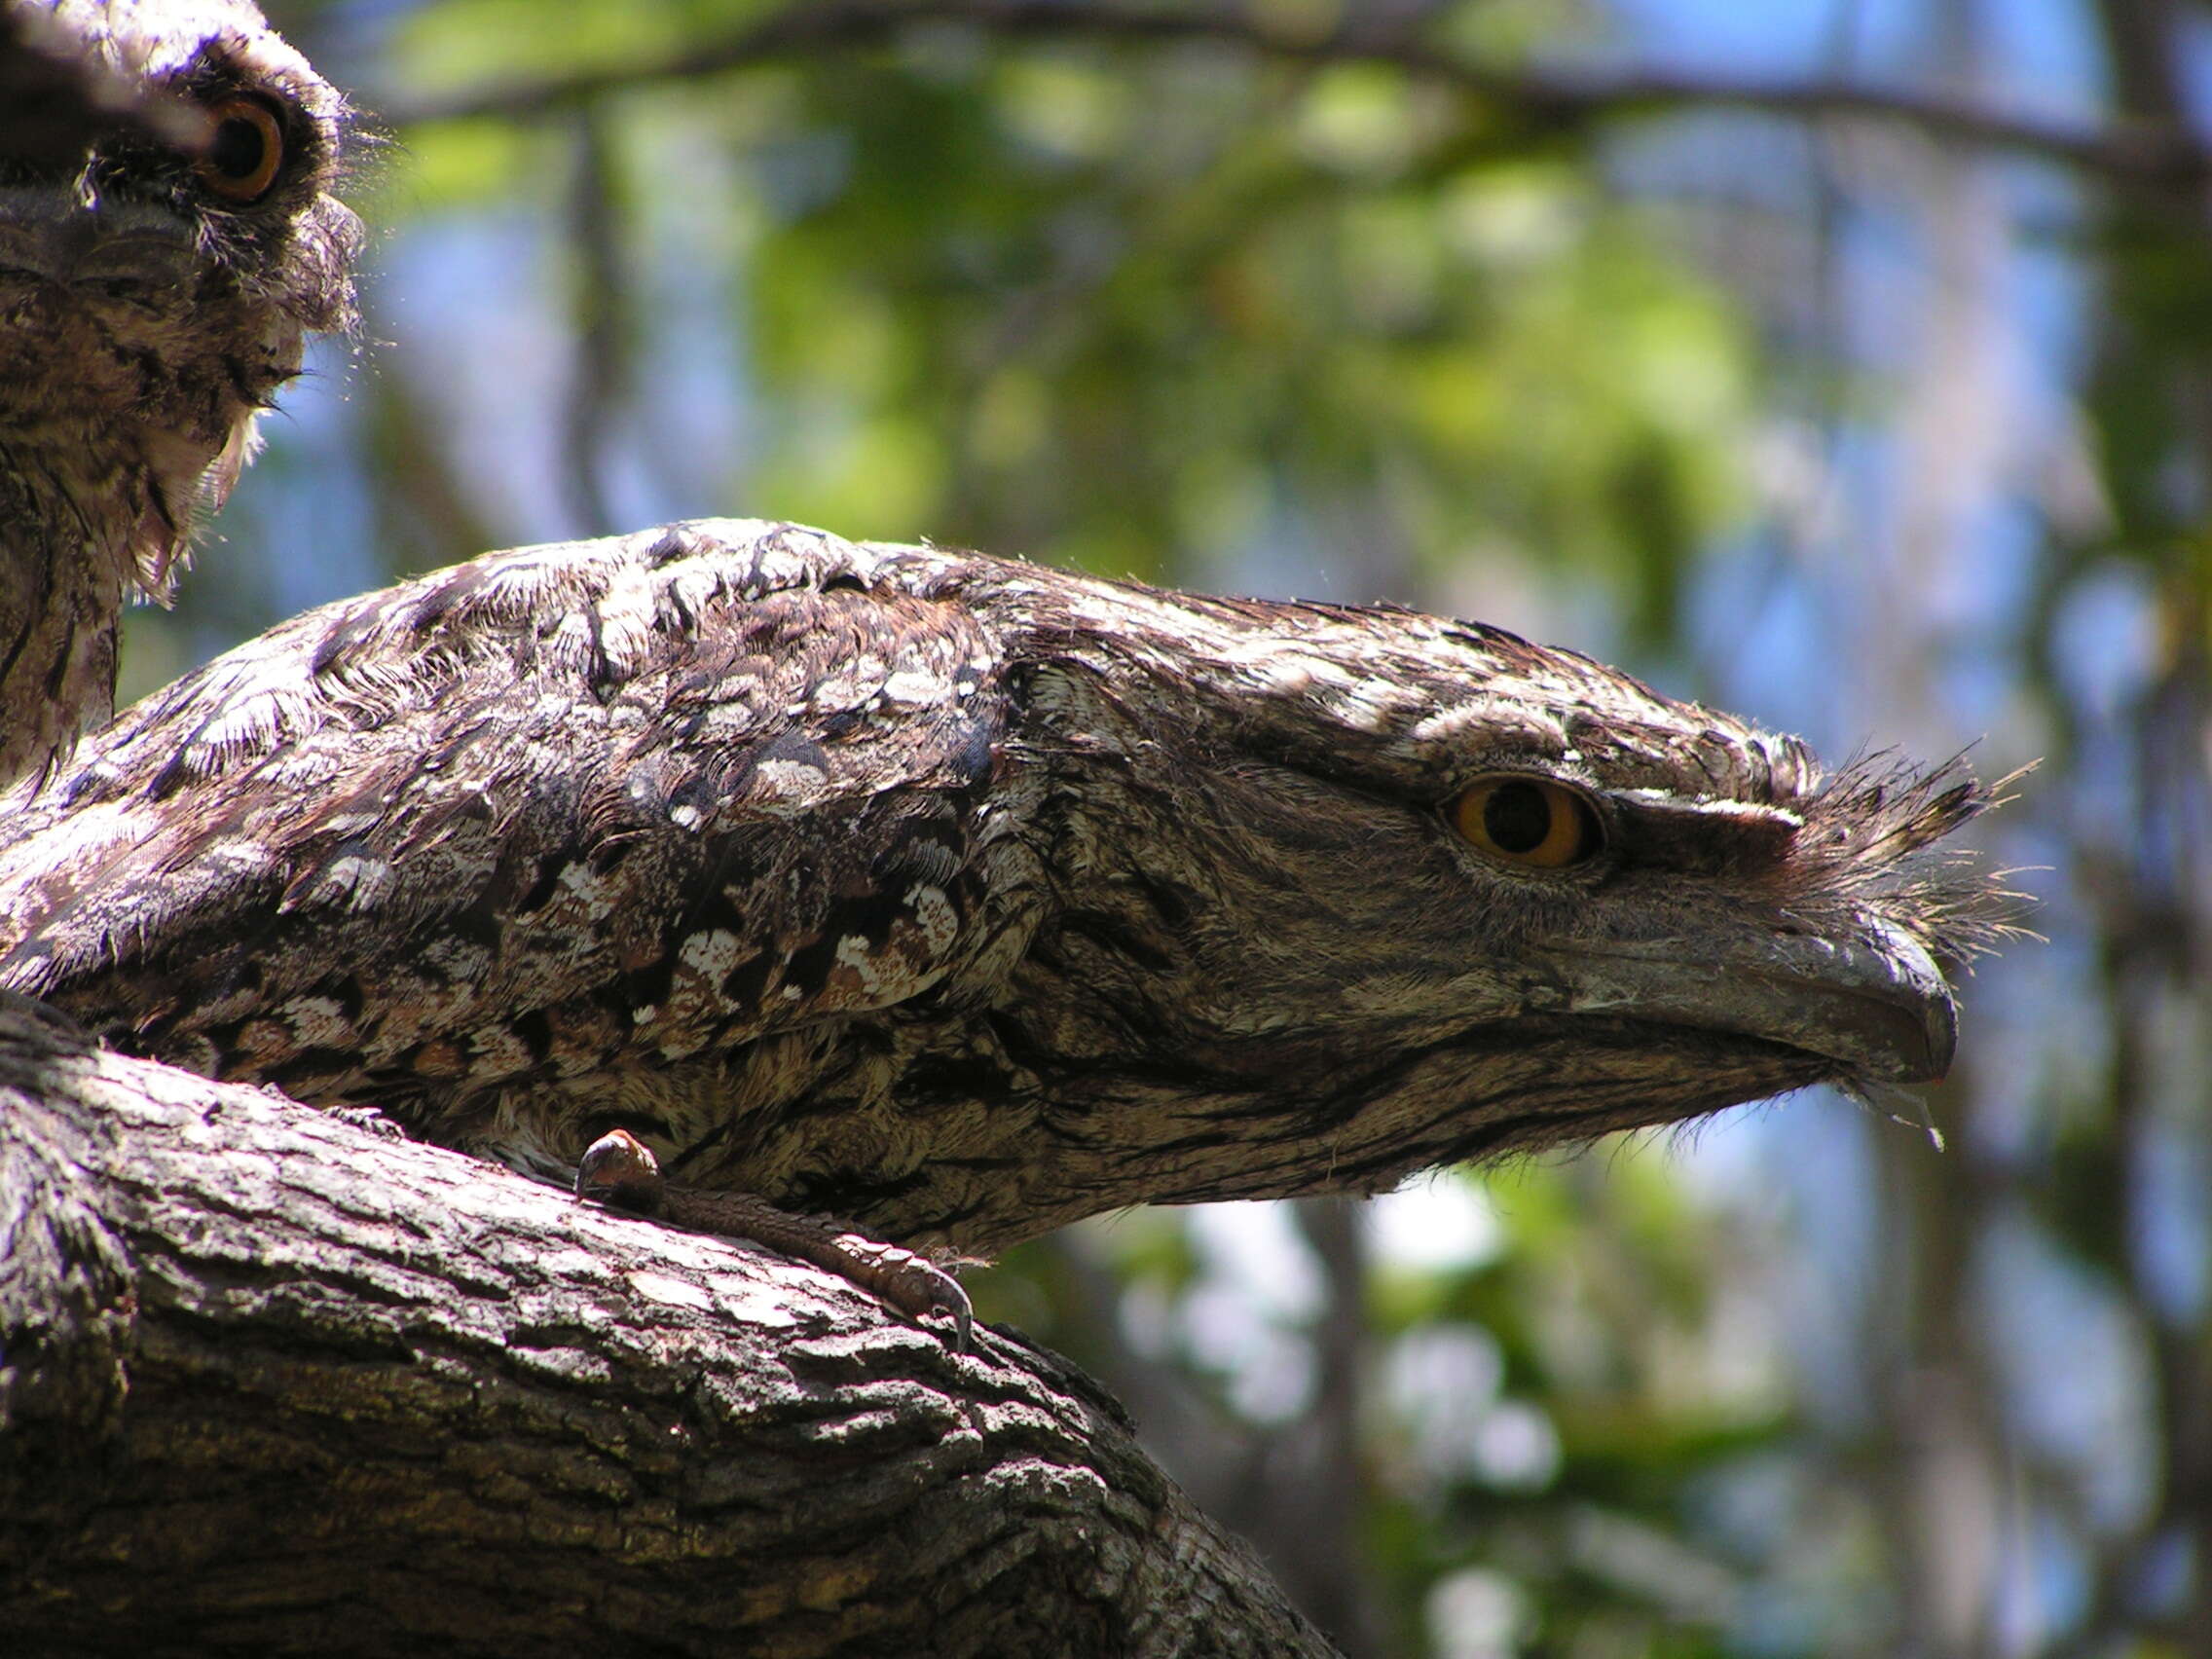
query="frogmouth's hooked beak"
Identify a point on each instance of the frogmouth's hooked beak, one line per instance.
(49, 237)
(1877, 1006)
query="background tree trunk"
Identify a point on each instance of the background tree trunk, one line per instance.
(270, 1380)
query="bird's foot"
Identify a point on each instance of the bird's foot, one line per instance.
(619, 1170)
(360, 1117)
(908, 1281)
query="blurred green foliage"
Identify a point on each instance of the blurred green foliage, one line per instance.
(1113, 306)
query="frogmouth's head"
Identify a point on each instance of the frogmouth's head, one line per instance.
(168, 240)
(1425, 889)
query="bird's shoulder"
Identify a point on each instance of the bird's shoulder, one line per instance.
(641, 700)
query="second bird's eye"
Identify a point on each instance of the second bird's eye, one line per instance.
(246, 152)
(1529, 822)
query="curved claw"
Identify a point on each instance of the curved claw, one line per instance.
(620, 1172)
(914, 1284)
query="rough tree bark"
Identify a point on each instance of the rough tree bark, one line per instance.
(272, 1382)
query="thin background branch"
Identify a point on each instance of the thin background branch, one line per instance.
(2143, 153)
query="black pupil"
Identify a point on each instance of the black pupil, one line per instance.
(238, 149)
(1517, 817)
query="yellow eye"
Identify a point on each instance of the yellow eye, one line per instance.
(245, 152)
(1529, 822)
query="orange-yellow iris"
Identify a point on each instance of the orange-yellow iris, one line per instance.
(246, 152)
(1529, 822)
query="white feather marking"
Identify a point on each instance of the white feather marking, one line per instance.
(590, 888)
(916, 688)
(319, 1022)
(935, 915)
(712, 953)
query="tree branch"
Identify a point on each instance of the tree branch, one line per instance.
(2137, 153)
(269, 1382)
(54, 105)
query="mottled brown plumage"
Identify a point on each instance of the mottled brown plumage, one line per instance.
(963, 897)
(154, 293)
